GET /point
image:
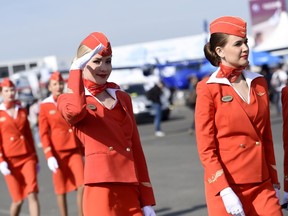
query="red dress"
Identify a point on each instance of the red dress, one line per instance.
(235, 145)
(18, 150)
(113, 151)
(58, 139)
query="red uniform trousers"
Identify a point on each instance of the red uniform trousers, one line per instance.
(257, 199)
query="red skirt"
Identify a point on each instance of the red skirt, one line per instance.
(111, 199)
(256, 199)
(22, 180)
(70, 174)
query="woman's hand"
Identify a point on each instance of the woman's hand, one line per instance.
(81, 62)
(4, 168)
(231, 202)
(148, 211)
(52, 164)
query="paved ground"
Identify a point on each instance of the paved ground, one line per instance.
(175, 170)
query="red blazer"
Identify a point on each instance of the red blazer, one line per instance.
(285, 134)
(55, 133)
(16, 138)
(113, 151)
(234, 138)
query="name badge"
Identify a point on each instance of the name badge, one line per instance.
(227, 98)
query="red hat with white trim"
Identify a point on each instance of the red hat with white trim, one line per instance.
(56, 76)
(94, 39)
(6, 82)
(229, 25)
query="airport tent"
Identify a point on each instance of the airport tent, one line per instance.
(277, 38)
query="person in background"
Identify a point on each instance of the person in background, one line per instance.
(154, 94)
(191, 100)
(278, 82)
(33, 119)
(266, 72)
(115, 172)
(62, 149)
(18, 158)
(233, 129)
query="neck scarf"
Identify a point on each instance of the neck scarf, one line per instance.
(10, 104)
(95, 89)
(230, 73)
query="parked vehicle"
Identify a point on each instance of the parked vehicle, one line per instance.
(142, 107)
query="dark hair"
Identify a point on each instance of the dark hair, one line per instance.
(216, 40)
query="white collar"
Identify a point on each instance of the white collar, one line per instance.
(111, 91)
(249, 76)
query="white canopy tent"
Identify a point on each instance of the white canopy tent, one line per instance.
(278, 37)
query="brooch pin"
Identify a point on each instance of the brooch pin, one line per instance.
(91, 106)
(260, 93)
(227, 98)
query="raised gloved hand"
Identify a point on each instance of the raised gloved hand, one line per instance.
(148, 211)
(82, 61)
(231, 202)
(285, 199)
(52, 164)
(4, 168)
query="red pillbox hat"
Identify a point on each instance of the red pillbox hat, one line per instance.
(229, 25)
(6, 82)
(94, 39)
(56, 76)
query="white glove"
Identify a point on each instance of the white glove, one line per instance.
(4, 168)
(277, 193)
(52, 164)
(148, 211)
(231, 202)
(81, 62)
(285, 198)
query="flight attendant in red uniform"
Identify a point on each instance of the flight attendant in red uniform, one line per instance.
(18, 159)
(233, 129)
(61, 147)
(115, 173)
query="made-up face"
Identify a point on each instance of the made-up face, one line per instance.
(235, 52)
(8, 94)
(98, 69)
(56, 87)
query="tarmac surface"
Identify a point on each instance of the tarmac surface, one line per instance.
(175, 170)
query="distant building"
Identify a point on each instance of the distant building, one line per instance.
(9, 68)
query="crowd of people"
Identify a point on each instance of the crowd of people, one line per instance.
(91, 142)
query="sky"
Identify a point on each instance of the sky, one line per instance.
(33, 28)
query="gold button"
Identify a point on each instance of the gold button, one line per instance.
(21, 137)
(70, 130)
(128, 149)
(242, 145)
(11, 138)
(257, 143)
(111, 148)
